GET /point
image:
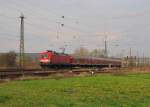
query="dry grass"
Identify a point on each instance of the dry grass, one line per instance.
(84, 74)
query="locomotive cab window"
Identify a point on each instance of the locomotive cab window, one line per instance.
(44, 56)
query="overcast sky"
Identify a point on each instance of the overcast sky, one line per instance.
(86, 22)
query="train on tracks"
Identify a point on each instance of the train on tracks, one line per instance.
(52, 59)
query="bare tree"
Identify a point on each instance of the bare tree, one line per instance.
(81, 52)
(8, 59)
(11, 59)
(97, 53)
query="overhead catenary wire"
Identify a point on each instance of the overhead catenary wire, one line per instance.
(67, 26)
(34, 11)
(38, 12)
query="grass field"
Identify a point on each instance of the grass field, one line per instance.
(96, 91)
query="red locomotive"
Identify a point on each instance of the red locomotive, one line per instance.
(53, 59)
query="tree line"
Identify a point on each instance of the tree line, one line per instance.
(11, 60)
(83, 52)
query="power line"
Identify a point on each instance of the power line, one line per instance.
(16, 8)
(66, 25)
(33, 11)
(10, 37)
(69, 27)
(41, 15)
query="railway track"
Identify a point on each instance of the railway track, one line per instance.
(4, 74)
(15, 69)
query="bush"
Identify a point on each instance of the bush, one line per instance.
(8, 59)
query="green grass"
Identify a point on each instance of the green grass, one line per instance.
(95, 91)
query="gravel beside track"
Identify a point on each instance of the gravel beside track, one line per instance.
(15, 73)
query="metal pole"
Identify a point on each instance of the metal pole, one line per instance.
(130, 58)
(143, 59)
(137, 61)
(106, 54)
(22, 44)
(130, 52)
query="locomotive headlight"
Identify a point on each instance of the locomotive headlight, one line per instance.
(45, 60)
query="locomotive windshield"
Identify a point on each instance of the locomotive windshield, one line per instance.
(44, 56)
